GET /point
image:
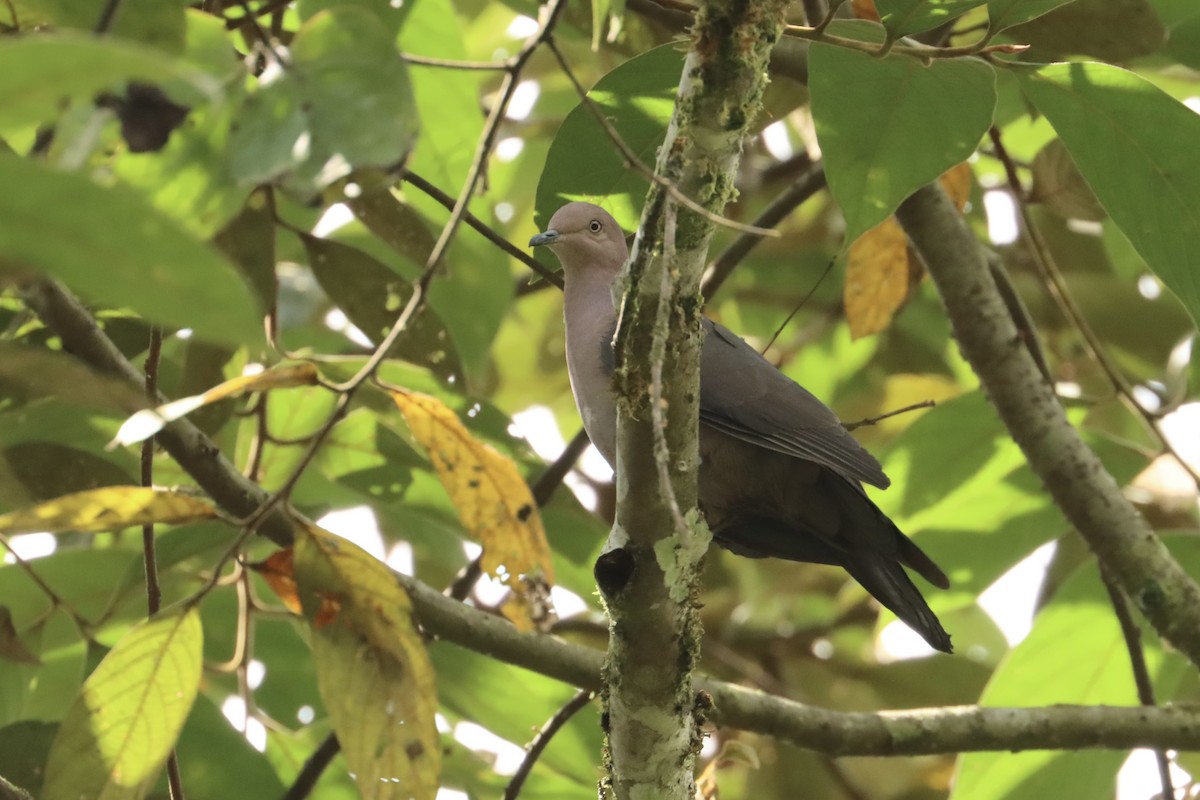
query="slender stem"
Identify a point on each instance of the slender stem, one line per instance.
(313, 768)
(153, 589)
(552, 726)
(108, 16)
(1141, 673)
(480, 226)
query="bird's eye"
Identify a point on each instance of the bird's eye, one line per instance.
(595, 226)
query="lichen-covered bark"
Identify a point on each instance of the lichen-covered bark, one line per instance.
(649, 579)
(1026, 402)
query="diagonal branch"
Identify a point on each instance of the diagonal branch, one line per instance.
(1087, 494)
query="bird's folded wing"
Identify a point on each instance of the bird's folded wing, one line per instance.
(744, 396)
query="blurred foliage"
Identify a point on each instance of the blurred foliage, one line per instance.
(198, 167)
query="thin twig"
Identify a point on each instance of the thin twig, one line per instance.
(153, 589)
(269, 7)
(803, 301)
(417, 300)
(1141, 674)
(479, 225)
(647, 172)
(1056, 286)
(449, 63)
(108, 16)
(552, 726)
(460, 588)
(313, 768)
(56, 600)
(923, 52)
(546, 484)
(876, 420)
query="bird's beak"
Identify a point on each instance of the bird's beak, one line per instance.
(546, 237)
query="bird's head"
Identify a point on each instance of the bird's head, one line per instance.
(584, 236)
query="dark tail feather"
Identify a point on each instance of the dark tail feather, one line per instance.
(889, 584)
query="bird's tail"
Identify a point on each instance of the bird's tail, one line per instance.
(888, 583)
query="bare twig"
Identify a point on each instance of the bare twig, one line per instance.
(313, 768)
(543, 488)
(876, 420)
(1141, 674)
(482, 227)
(449, 63)
(153, 590)
(552, 726)
(108, 16)
(149, 558)
(803, 301)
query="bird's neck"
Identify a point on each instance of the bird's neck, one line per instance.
(590, 321)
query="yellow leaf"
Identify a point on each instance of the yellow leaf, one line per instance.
(123, 723)
(957, 183)
(373, 670)
(877, 278)
(150, 421)
(493, 501)
(880, 271)
(108, 509)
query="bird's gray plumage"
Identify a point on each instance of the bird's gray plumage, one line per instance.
(779, 474)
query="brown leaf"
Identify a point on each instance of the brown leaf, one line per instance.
(880, 271)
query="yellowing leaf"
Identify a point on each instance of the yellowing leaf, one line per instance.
(107, 509)
(373, 670)
(492, 499)
(880, 273)
(877, 278)
(150, 421)
(120, 729)
(277, 570)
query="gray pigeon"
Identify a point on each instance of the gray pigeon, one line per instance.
(779, 474)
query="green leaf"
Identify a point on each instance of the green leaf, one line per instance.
(189, 180)
(1184, 42)
(905, 17)
(113, 247)
(1110, 30)
(152, 22)
(1074, 654)
(1152, 190)
(125, 720)
(23, 748)
(1006, 13)
(889, 126)
(344, 101)
(38, 73)
(583, 164)
(372, 296)
(451, 97)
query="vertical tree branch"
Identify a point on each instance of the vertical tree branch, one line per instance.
(650, 573)
(1087, 494)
